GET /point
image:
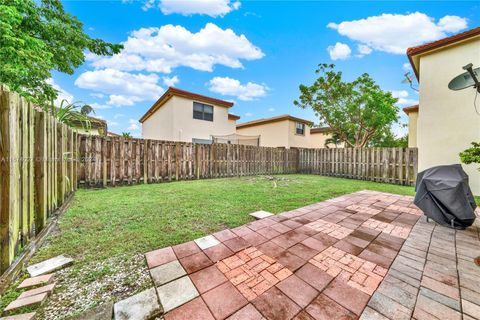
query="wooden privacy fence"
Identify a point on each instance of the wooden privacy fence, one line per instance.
(389, 165)
(37, 171)
(110, 161)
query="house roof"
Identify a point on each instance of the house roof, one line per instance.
(95, 123)
(439, 44)
(414, 108)
(171, 91)
(320, 130)
(232, 116)
(273, 119)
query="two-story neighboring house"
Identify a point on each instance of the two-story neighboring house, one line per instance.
(281, 131)
(445, 122)
(179, 115)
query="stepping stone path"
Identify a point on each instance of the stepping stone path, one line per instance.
(261, 214)
(31, 301)
(49, 266)
(367, 255)
(40, 286)
(25, 316)
(45, 289)
(36, 281)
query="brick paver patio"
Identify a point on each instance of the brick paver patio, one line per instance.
(366, 255)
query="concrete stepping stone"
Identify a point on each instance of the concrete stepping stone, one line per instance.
(176, 293)
(48, 289)
(35, 300)
(36, 281)
(142, 306)
(102, 312)
(49, 265)
(167, 272)
(24, 316)
(207, 242)
(261, 214)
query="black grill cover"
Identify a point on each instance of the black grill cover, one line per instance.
(444, 196)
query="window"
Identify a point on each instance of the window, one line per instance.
(202, 111)
(300, 128)
(201, 141)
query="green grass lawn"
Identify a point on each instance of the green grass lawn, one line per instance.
(107, 231)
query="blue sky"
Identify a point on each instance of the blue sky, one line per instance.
(255, 53)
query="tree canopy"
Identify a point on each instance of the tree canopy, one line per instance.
(356, 111)
(37, 37)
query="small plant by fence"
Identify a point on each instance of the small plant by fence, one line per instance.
(114, 161)
(37, 171)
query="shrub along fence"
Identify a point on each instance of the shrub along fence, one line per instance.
(110, 161)
(37, 171)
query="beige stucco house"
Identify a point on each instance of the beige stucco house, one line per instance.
(319, 136)
(179, 115)
(412, 113)
(445, 122)
(281, 131)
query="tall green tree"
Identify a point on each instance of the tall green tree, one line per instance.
(355, 111)
(37, 37)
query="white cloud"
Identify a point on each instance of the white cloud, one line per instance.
(121, 100)
(62, 93)
(231, 87)
(394, 33)
(97, 95)
(112, 123)
(133, 125)
(118, 115)
(403, 98)
(98, 106)
(339, 51)
(407, 66)
(123, 88)
(452, 23)
(170, 81)
(248, 114)
(213, 8)
(168, 47)
(271, 109)
(364, 49)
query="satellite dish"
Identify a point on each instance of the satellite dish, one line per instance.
(467, 79)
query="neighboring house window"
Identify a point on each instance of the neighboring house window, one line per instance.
(300, 128)
(202, 111)
(201, 141)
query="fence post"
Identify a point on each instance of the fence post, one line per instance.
(145, 161)
(9, 187)
(40, 171)
(197, 160)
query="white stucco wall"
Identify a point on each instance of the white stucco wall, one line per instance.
(317, 140)
(274, 134)
(278, 134)
(297, 140)
(174, 121)
(412, 129)
(159, 126)
(447, 121)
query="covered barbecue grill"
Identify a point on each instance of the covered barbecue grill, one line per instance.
(444, 196)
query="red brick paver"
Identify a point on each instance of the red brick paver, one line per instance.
(252, 272)
(367, 255)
